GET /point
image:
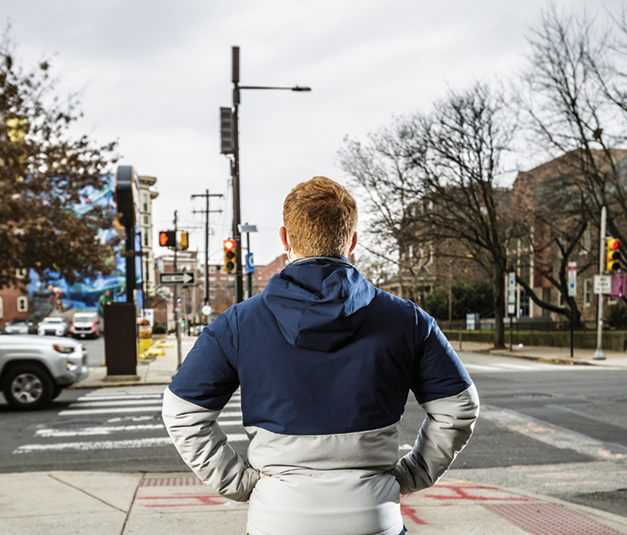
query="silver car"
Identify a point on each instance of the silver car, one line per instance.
(52, 326)
(34, 370)
(19, 327)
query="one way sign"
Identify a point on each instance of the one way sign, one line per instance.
(176, 278)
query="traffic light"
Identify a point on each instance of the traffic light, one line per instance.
(229, 256)
(184, 240)
(167, 238)
(613, 255)
(227, 143)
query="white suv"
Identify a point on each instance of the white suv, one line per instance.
(52, 326)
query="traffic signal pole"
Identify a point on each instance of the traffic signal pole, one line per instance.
(237, 236)
(234, 124)
(598, 354)
(179, 354)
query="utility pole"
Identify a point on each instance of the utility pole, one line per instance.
(598, 354)
(179, 355)
(234, 150)
(206, 211)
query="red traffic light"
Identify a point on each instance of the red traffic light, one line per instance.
(614, 244)
(229, 245)
(167, 238)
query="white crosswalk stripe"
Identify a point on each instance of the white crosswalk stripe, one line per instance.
(523, 367)
(124, 414)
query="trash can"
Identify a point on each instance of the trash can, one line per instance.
(120, 338)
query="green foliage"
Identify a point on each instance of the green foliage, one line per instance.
(617, 316)
(475, 297)
(45, 169)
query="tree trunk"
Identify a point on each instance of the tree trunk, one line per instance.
(499, 308)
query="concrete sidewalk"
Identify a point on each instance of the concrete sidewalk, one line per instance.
(558, 355)
(154, 371)
(68, 503)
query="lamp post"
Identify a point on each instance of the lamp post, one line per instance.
(239, 286)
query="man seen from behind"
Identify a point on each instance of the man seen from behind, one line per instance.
(325, 362)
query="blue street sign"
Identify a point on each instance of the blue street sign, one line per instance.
(249, 267)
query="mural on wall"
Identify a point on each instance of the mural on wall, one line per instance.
(52, 295)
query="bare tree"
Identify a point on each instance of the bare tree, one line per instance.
(438, 178)
(381, 171)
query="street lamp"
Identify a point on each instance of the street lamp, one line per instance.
(239, 287)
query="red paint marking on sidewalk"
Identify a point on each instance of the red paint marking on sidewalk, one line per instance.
(204, 499)
(411, 513)
(549, 519)
(461, 494)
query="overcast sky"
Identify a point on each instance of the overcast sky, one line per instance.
(153, 74)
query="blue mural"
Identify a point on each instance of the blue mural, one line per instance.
(52, 295)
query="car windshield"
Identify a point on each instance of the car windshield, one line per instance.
(17, 322)
(84, 317)
(52, 320)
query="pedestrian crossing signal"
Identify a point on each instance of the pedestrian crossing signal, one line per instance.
(167, 238)
(229, 256)
(613, 255)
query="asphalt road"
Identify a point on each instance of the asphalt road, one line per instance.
(564, 424)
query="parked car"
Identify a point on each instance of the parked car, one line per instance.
(84, 324)
(19, 327)
(34, 370)
(52, 326)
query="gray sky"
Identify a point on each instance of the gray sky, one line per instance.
(153, 74)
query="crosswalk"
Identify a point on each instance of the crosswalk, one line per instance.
(119, 419)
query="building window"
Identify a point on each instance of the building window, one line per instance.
(212, 296)
(587, 294)
(586, 241)
(562, 301)
(146, 238)
(546, 297)
(212, 270)
(145, 220)
(145, 202)
(147, 274)
(22, 304)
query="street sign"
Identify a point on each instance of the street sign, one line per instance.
(206, 310)
(572, 279)
(618, 286)
(176, 278)
(511, 293)
(602, 284)
(249, 267)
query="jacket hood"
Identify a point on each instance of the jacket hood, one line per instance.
(319, 303)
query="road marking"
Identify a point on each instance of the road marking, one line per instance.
(111, 398)
(77, 412)
(553, 435)
(98, 445)
(90, 431)
(130, 419)
(112, 444)
(113, 403)
(231, 414)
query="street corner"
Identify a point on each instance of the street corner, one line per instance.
(180, 493)
(464, 507)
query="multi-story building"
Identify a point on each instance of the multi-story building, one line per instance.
(146, 196)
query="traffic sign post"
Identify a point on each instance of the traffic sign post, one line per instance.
(511, 302)
(572, 292)
(177, 278)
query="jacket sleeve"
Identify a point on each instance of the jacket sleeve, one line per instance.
(192, 403)
(203, 446)
(445, 391)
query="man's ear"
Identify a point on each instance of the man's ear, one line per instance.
(353, 244)
(284, 240)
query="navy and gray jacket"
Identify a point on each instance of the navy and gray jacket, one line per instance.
(325, 362)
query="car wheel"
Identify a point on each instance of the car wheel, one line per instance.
(27, 387)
